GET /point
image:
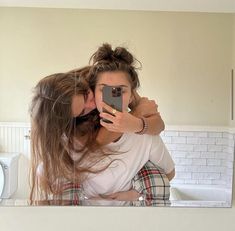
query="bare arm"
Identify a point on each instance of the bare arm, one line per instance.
(105, 137)
(142, 107)
(171, 175)
(131, 122)
(132, 194)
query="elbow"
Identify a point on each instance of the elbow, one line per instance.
(162, 123)
(163, 126)
(171, 175)
(160, 128)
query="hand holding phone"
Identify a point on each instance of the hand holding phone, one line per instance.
(112, 95)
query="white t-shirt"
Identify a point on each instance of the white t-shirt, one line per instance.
(132, 152)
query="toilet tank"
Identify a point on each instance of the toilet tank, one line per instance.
(9, 163)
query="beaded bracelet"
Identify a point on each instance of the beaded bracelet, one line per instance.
(145, 127)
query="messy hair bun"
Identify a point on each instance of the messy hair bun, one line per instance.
(106, 54)
(105, 59)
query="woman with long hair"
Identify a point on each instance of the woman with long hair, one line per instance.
(63, 108)
(68, 141)
(131, 151)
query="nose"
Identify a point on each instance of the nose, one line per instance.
(91, 104)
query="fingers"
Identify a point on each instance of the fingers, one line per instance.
(113, 196)
(130, 195)
(151, 103)
(107, 116)
(104, 196)
(108, 126)
(147, 99)
(108, 108)
(144, 98)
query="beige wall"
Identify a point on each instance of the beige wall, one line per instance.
(232, 122)
(32, 48)
(186, 57)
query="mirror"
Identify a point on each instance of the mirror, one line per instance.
(187, 60)
(2, 180)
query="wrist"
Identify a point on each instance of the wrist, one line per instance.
(144, 126)
(139, 125)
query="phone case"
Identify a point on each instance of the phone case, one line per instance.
(113, 97)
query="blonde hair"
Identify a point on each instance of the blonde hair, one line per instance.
(54, 131)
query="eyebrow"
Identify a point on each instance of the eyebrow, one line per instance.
(102, 84)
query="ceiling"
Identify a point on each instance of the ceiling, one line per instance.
(227, 6)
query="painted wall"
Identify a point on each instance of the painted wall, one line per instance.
(232, 122)
(186, 57)
(107, 218)
(50, 50)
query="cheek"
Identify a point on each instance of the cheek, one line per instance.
(126, 101)
(98, 99)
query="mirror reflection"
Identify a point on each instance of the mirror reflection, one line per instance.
(2, 180)
(118, 153)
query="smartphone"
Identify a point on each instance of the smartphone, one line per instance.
(112, 95)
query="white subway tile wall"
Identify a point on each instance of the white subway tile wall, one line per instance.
(201, 157)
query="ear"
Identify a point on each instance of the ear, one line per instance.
(131, 99)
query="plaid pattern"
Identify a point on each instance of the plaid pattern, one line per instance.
(72, 193)
(152, 183)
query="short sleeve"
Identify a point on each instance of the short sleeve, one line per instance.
(160, 156)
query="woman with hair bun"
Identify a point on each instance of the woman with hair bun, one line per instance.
(130, 151)
(68, 143)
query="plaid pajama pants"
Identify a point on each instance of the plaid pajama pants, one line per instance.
(150, 182)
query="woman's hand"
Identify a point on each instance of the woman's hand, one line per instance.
(145, 108)
(131, 195)
(121, 121)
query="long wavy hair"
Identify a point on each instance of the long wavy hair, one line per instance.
(55, 155)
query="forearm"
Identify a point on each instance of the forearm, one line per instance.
(130, 195)
(155, 127)
(105, 137)
(142, 107)
(123, 122)
(155, 124)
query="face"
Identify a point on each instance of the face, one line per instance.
(82, 106)
(116, 78)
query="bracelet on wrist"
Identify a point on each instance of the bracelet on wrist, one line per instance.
(145, 127)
